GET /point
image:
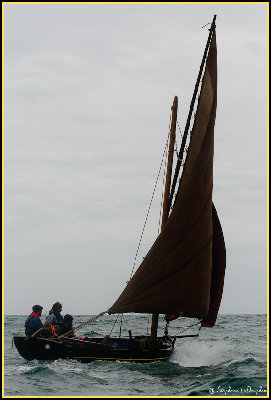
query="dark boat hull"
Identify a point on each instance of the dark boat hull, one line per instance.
(91, 349)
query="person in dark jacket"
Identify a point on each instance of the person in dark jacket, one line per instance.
(54, 316)
(33, 322)
(65, 326)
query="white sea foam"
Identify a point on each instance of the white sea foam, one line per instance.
(199, 354)
(65, 366)
(25, 368)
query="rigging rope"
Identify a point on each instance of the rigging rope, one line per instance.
(121, 324)
(199, 322)
(140, 240)
(83, 324)
(148, 325)
(177, 154)
(163, 193)
(114, 324)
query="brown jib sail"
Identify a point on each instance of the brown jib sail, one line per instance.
(183, 272)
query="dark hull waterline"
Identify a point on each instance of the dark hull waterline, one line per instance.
(92, 349)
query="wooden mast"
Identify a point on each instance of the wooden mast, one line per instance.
(166, 204)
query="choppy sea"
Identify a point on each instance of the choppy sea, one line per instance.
(227, 360)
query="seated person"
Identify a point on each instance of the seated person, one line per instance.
(33, 322)
(54, 316)
(64, 326)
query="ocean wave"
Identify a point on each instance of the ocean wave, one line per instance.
(34, 367)
(245, 361)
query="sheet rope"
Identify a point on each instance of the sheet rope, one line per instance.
(74, 329)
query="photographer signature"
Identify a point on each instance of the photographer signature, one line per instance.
(246, 390)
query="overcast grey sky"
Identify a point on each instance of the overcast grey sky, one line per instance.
(88, 91)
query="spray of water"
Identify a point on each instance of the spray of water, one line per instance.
(199, 354)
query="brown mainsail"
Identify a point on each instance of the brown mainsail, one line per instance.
(182, 271)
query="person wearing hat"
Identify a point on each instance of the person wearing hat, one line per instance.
(33, 322)
(54, 317)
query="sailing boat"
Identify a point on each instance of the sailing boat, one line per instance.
(182, 275)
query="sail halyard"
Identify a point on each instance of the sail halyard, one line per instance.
(174, 110)
(176, 276)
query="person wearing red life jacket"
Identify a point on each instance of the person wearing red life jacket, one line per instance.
(33, 322)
